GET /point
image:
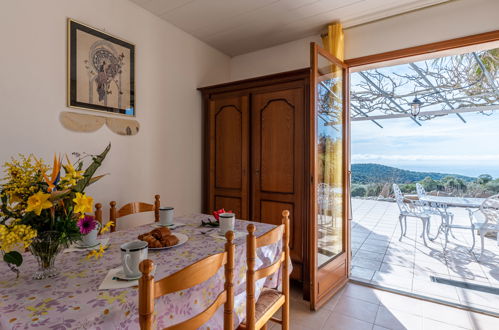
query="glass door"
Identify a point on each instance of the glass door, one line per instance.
(329, 253)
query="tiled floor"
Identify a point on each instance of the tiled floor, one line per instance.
(357, 308)
(380, 258)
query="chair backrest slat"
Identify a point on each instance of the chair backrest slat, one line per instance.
(271, 237)
(203, 317)
(269, 270)
(133, 208)
(252, 243)
(190, 276)
(187, 278)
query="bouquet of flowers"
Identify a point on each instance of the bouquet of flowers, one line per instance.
(37, 207)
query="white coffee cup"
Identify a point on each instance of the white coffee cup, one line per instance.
(227, 222)
(166, 215)
(132, 253)
(90, 239)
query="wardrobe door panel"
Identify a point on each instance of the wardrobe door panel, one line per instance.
(277, 153)
(277, 145)
(228, 147)
(228, 154)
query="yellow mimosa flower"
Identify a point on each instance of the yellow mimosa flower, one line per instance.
(83, 203)
(107, 227)
(38, 202)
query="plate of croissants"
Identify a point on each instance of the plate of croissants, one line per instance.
(162, 238)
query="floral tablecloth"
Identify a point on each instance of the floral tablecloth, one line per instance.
(72, 301)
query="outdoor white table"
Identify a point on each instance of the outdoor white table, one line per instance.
(72, 300)
(454, 201)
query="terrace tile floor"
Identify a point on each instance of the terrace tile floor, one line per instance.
(357, 307)
(380, 258)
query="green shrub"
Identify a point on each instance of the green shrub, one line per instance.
(358, 191)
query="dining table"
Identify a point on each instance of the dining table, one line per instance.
(469, 202)
(72, 300)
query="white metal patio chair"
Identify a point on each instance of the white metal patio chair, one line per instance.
(436, 209)
(325, 202)
(410, 208)
(447, 223)
(420, 191)
(489, 212)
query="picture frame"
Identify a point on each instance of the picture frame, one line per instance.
(101, 71)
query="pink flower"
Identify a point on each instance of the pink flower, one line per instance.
(87, 224)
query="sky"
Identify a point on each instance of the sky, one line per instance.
(443, 144)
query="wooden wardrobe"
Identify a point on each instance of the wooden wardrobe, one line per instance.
(256, 152)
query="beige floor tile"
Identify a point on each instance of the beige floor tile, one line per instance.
(338, 321)
(301, 315)
(398, 320)
(357, 308)
(378, 327)
(362, 293)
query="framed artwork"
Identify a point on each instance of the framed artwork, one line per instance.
(101, 71)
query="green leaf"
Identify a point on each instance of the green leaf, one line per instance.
(13, 257)
(89, 172)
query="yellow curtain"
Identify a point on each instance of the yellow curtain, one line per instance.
(333, 42)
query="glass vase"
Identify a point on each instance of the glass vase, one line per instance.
(46, 247)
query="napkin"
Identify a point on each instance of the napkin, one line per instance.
(102, 241)
(110, 284)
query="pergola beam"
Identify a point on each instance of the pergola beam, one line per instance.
(388, 97)
(354, 108)
(430, 113)
(429, 84)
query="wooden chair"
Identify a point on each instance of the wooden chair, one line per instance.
(132, 208)
(187, 278)
(270, 300)
(98, 212)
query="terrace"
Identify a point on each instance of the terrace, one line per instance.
(379, 257)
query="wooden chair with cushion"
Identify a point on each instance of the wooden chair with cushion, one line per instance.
(186, 278)
(259, 312)
(132, 208)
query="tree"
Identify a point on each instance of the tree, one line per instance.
(493, 186)
(429, 184)
(484, 178)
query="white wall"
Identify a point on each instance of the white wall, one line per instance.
(165, 157)
(452, 20)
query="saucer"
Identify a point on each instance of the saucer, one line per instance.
(121, 275)
(79, 246)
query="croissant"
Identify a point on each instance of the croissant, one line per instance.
(159, 233)
(151, 241)
(169, 240)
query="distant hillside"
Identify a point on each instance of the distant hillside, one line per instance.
(376, 173)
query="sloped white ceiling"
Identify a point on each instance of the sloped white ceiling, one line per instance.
(241, 26)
